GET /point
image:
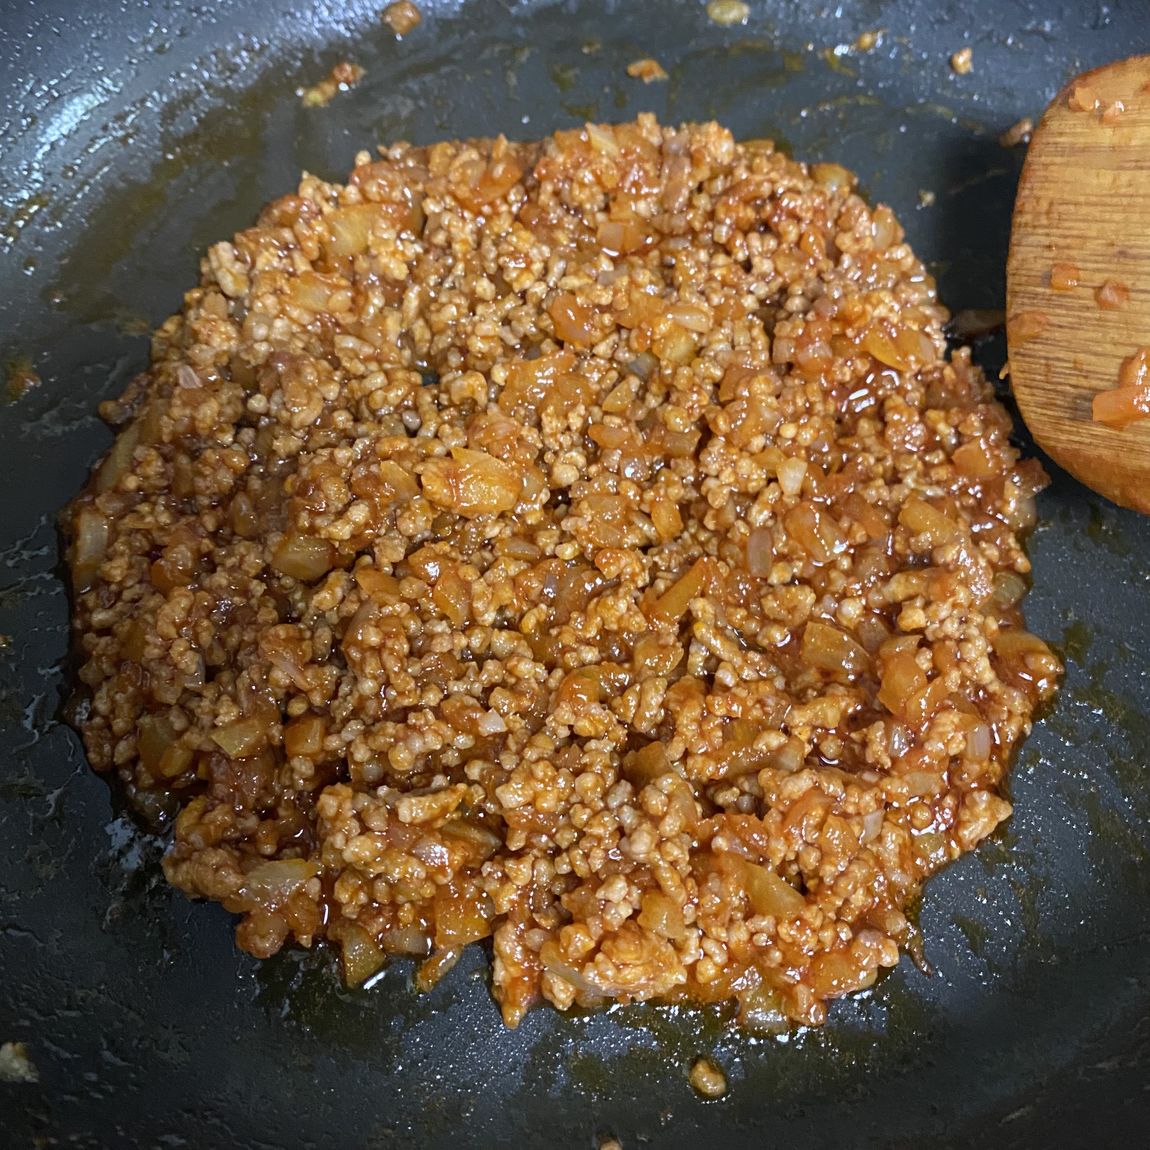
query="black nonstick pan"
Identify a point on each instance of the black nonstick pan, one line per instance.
(131, 136)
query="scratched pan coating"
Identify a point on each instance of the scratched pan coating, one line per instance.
(131, 137)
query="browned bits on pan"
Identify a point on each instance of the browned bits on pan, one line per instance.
(343, 76)
(647, 69)
(962, 62)
(1064, 276)
(584, 545)
(727, 13)
(20, 377)
(1111, 295)
(15, 1065)
(402, 17)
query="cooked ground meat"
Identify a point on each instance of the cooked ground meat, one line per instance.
(585, 545)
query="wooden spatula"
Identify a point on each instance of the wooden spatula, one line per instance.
(1078, 281)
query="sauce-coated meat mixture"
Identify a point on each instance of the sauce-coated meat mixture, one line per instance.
(584, 545)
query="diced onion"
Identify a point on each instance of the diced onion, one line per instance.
(303, 557)
(89, 546)
(273, 883)
(899, 740)
(406, 940)
(243, 737)
(662, 915)
(362, 956)
(833, 177)
(760, 1011)
(978, 742)
(791, 475)
(872, 824)
(760, 551)
(1009, 589)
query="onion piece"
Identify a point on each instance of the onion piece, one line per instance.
(242, 738)
(768, 893)
(833, 177)
(89, 546)
(761, 1012)
(792, 472)
(831, 649)
(410, 940)
(871, 825)
(662, 915)
(1009, 589)
(433, 968)
(303, 557)
(462, 914)
(978, 742)
(760, 551)
(361, 954)
(270, 884)
(899, 740)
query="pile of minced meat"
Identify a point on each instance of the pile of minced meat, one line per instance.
(584, 545)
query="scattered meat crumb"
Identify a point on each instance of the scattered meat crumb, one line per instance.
(1135, 369)
(962, 62)
(402, 17)
(926, 198)
(1064, 276)
(1082, 98)
(727, 13)
(15, 1065)
(648, 70)
(1112, 111)
(1018, 133)
(1024, 326)
(707, 1079)
(868, 41)
(1129, 402)
(21, 378)
(344, 76)
(1111, 295)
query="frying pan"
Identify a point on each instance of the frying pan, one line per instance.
(135, 134)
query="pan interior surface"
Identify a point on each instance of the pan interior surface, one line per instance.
(135, 136)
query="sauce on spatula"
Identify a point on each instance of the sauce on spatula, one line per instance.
(1078, 282)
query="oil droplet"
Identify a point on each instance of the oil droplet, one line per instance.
(564, 77)
(1076, 640)
(974, 932)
